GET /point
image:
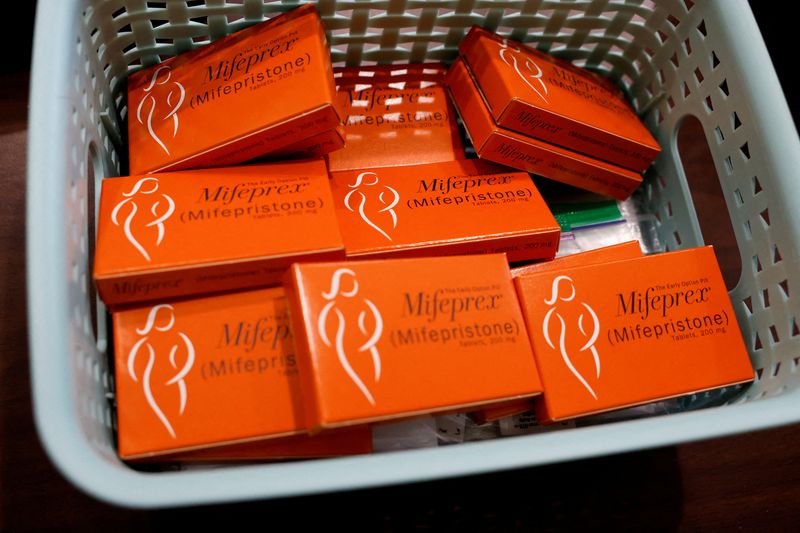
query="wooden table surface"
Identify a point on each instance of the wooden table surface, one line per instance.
(745, 482)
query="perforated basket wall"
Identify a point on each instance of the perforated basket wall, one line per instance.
(674, 58)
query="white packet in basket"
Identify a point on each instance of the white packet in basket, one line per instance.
(450, 429)
(405, 435)
(633, 226)
(527, 424)
(477, 432)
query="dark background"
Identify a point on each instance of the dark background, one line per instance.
(745, 482)
(778, 31)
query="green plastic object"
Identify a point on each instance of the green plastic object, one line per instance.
(578, 215)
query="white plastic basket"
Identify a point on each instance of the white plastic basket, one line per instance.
(674, 57)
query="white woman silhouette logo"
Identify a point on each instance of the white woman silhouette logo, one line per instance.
(169, 108)
(145, 187)
(525, 67)
(164, 315)
(365, 338)
(388, 197)
(559, 308)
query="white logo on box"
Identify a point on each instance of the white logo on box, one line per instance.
(145, 187)
(525, 67)
(165, 315)
(170, 105)
(332, 314)
(367, 184)
(559, 308)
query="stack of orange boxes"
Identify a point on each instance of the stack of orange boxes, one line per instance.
(356, 270)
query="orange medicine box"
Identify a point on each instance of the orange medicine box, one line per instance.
(616, 252)
(552, 100)
(214, 370)
(516, 150)
(618, 334)
(245, 95)
(199, 231)
(455, 207)
(395, 117)
(378, 340)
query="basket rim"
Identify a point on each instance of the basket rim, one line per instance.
(71, 451)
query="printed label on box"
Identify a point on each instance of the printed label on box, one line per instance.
(399, 211)
(664, 327)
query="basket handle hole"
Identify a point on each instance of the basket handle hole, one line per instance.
(708, 198)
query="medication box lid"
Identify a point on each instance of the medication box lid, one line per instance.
(237, 86)
(394, 338)
(465, 206)
(623, 333)
(176, 220)
(539, 95)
